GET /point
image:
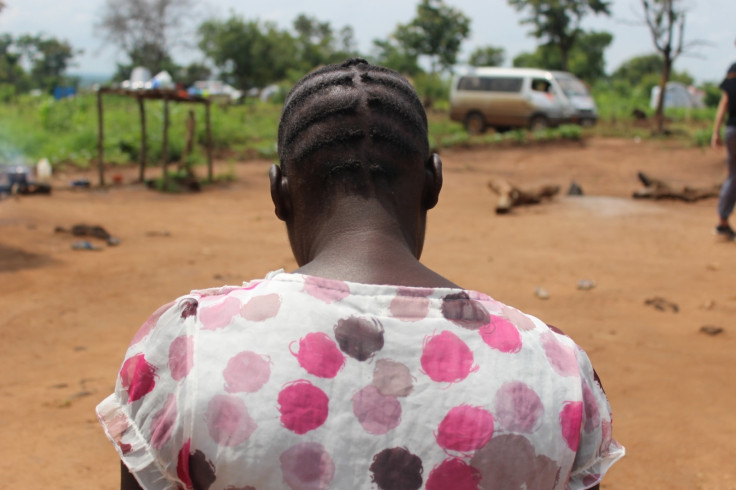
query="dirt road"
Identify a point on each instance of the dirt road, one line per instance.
(67, 315)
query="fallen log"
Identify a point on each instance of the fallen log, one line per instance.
(510, 195)
(660, 189)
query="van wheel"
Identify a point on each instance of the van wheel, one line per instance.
(538, 123)
(474, 123)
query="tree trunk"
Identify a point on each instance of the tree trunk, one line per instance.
(659, 114)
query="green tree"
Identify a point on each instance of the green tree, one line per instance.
(146, 30)
(48, 59)
(13, 79)
(320, 45)
(247, 53)
(557, 22)
(586, 58)
(389, 53)
(487, 56)
(437, 31)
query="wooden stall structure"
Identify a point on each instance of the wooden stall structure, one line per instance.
(167, 95)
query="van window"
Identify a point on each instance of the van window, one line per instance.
(490, 84)
(541, 85)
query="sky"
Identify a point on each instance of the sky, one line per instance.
(493, 22)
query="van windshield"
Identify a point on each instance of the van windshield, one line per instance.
(572, 87)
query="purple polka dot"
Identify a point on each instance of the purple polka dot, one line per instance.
(181, 356)
(360, 338)
(453, 473)
(518, 408)
(246, 372)
(570, 422)
(215, 315)
(446, 358)
(590, 404)
(137, 377)
(397, 469)
(465, 428)
(377, 413)
(511, 459)
(501, 334)
(560, 356)
(303, 406)
(307, 466)
(228, 420)
(189, 308)
(327, 290)
(463, 311)
(261, 308)
(162, 423)
(319, 355)
(392, 378)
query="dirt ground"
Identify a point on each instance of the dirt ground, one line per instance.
(67, 315)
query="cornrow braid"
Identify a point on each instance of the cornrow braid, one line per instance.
(352, 119)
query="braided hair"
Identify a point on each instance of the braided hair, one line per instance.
(353, 122)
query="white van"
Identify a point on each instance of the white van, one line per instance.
(504, 98)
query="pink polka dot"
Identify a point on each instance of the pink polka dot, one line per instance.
(182, 464)
(455, 474)
(570, 421)
(261, 308)
(522, 322)
(138, 377)
(163, 422)
(307, 466)
(327, 290)
(181, 356)
(518, 408)
(150, 323)
(465, 428)
(560, 356)
(215, 315)
(377, 413)
(446, 358)
(319, 355)
(303, 406)
(410, 304)
(392, 378)
(501, 334)
(246, 372)
(117, 426)
(228, 420)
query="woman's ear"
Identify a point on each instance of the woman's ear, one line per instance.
(280, 193)
(432, 181)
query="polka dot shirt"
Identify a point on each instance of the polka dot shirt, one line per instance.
(304, 383)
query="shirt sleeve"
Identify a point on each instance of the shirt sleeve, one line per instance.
(597, 450)
(141, 418)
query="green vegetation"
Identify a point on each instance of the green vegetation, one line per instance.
(65, 131)
(250, 54)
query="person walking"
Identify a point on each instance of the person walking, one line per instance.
(727, 106)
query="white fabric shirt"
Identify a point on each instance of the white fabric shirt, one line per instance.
(299, 382)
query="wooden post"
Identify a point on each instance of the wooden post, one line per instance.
(142, 157)
(165, 143)
(100, 139)
(210, 177)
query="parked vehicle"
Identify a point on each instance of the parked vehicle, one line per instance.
(505, 98)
